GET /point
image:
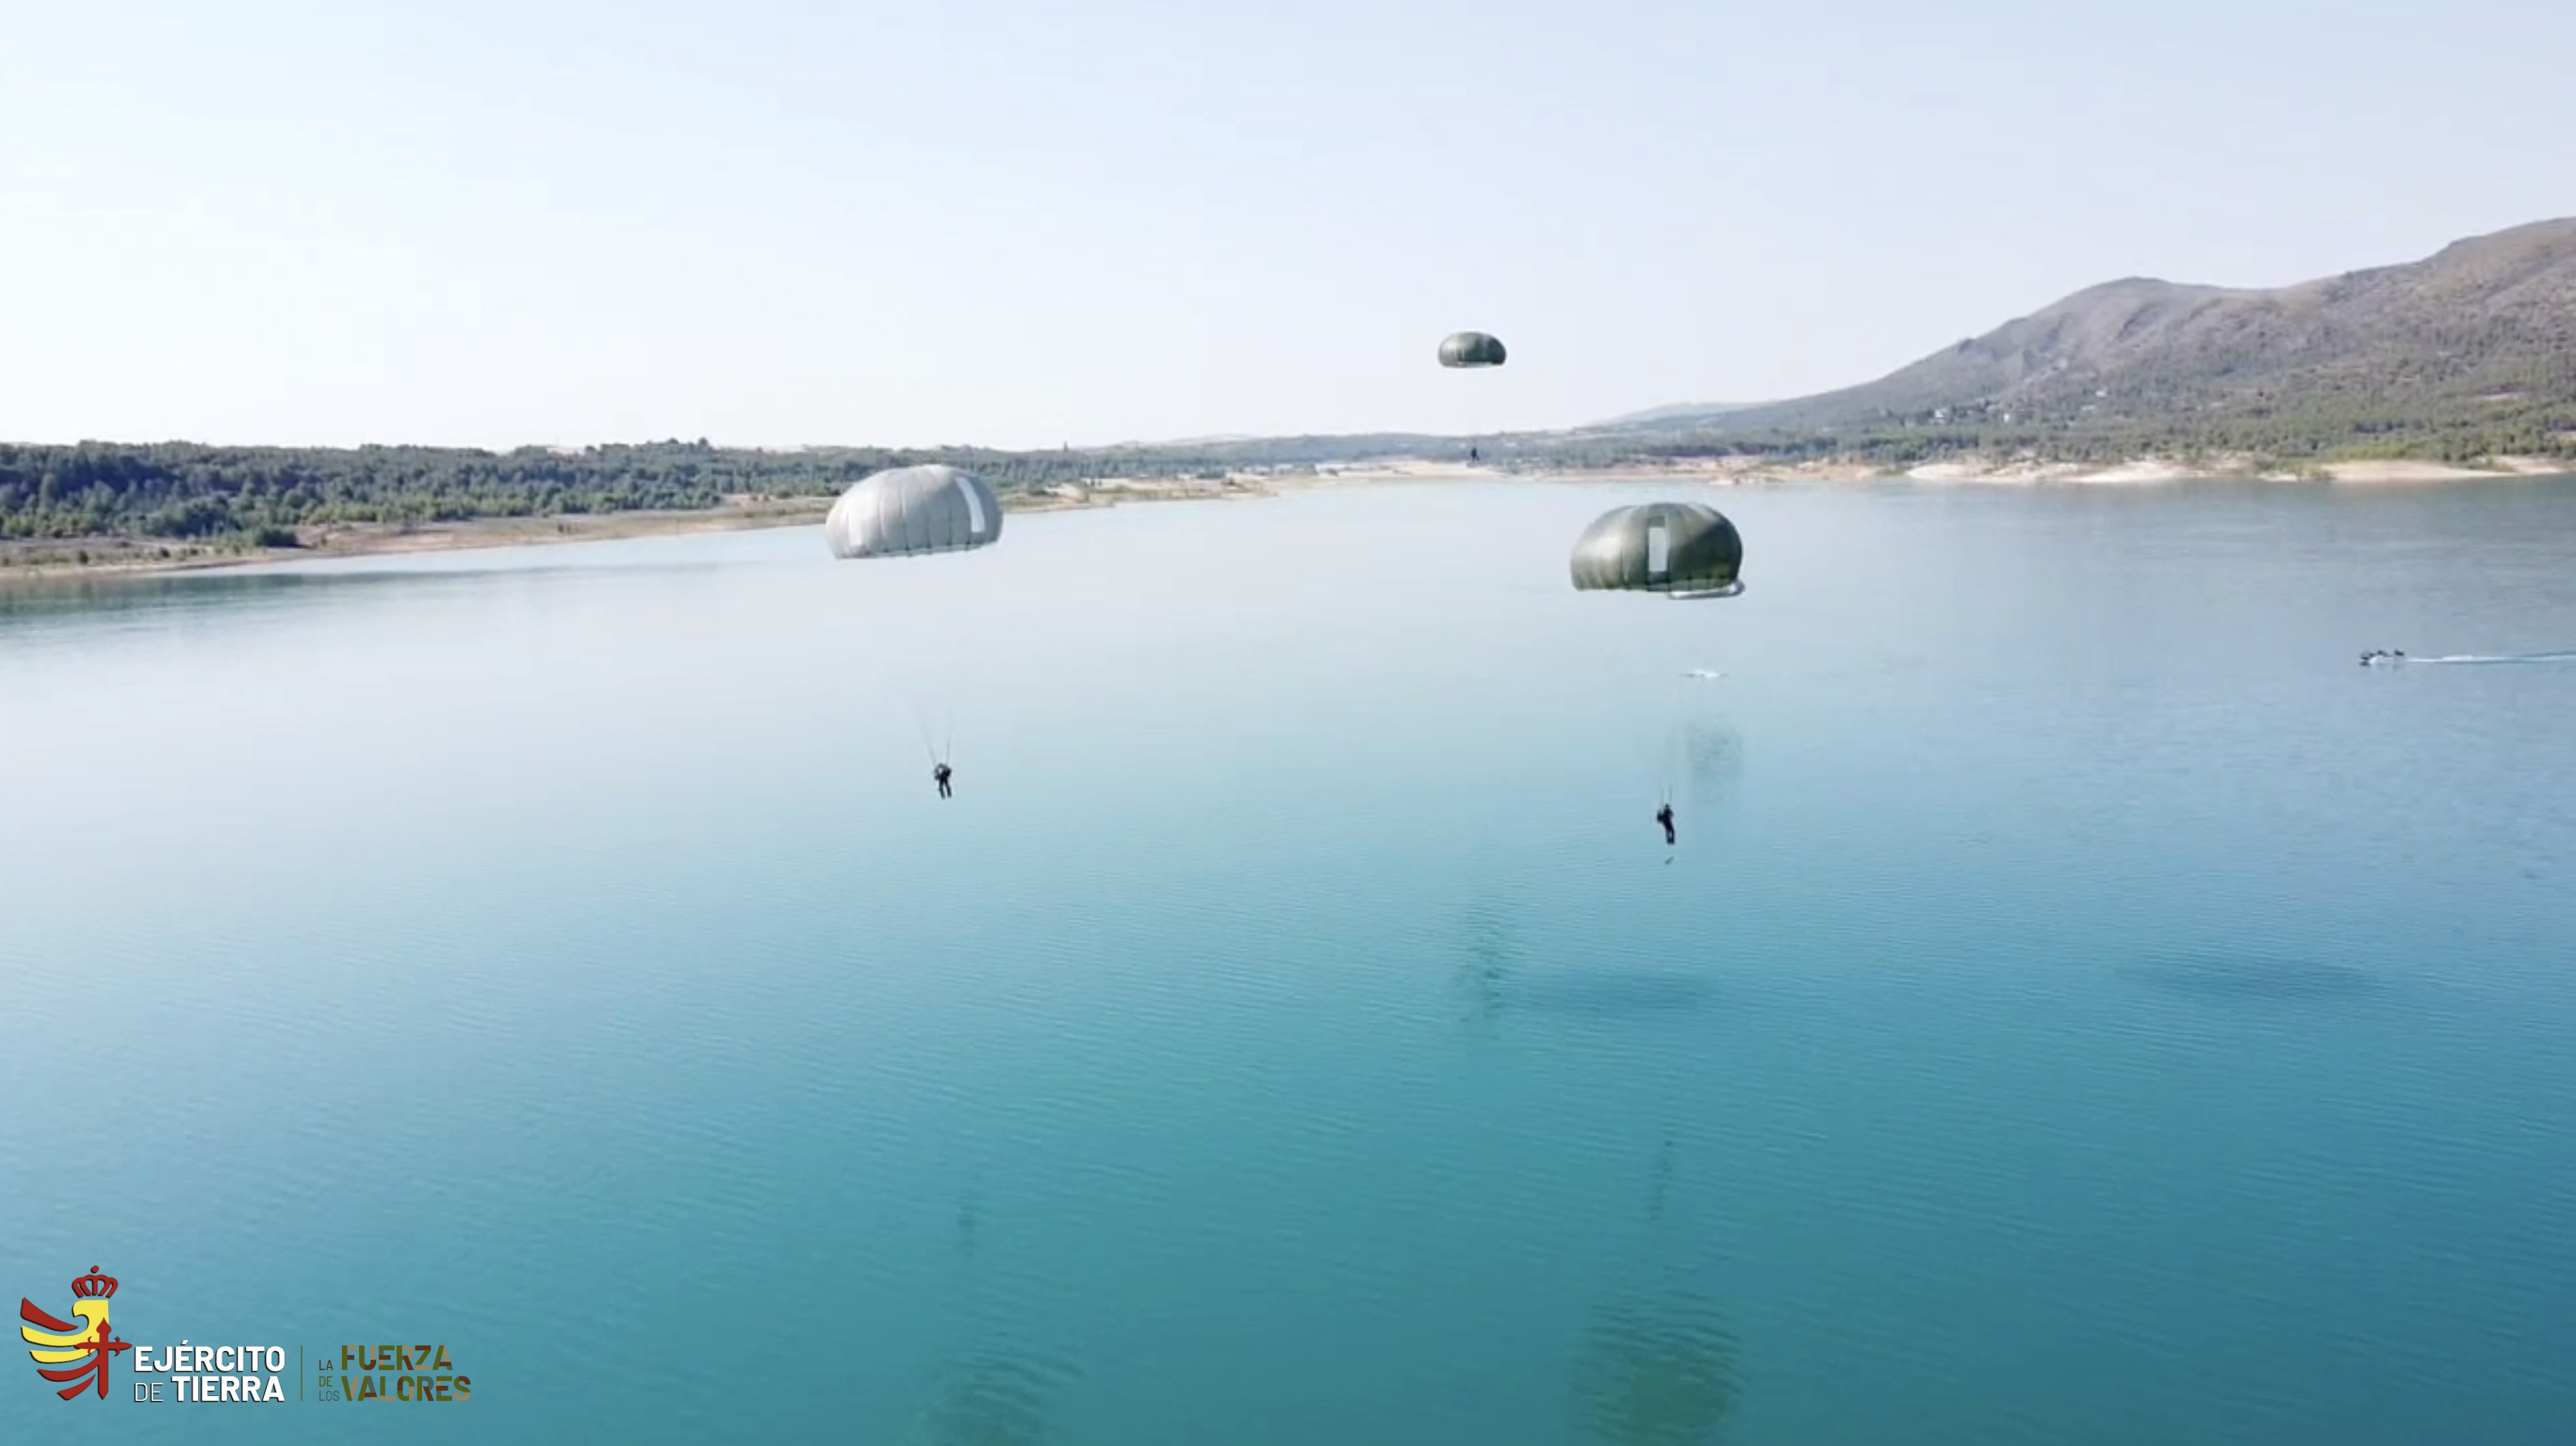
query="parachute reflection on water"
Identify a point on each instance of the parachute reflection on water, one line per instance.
(1679, 549)
(992, 1400)
(1656, 1370)
(906, 511)
(1471, 349)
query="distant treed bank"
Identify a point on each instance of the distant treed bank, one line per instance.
(262, 496)
(204, 497)
(2255, 437)
(2269, 441)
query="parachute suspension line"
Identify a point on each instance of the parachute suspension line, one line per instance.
(1651, 742)
(932, 743)
(1677, 757)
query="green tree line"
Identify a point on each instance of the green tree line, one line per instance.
(2310, 434)
(184, 492)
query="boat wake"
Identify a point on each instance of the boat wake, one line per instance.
(2569, 657)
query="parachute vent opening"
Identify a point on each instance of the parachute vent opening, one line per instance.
(974, 508)
(1659, 550)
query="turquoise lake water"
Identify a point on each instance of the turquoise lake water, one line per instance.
(2083, 1006)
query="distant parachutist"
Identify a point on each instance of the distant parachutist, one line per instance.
(1664, 816)
(939, 774)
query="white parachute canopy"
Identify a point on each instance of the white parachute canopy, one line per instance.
(907, 511)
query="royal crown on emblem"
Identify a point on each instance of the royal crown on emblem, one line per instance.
(94, 1286)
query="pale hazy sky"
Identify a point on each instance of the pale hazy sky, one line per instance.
(1020, 223)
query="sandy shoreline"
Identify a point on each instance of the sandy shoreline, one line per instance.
(27, 562)
(110, 557)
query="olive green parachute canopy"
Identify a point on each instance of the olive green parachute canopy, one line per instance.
(912, 510)
(1680, 549)
(1471, 349)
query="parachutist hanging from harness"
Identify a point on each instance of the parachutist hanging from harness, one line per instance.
(1678, 549)
(915, 512)
(1471, 350)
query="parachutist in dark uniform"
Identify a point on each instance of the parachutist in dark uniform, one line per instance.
(939, 775)
(1664, 816)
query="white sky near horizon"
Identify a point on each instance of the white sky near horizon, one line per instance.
(1015, 223)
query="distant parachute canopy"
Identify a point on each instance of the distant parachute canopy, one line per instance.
(912, 510)
(1471, 349)
(1680, 549)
